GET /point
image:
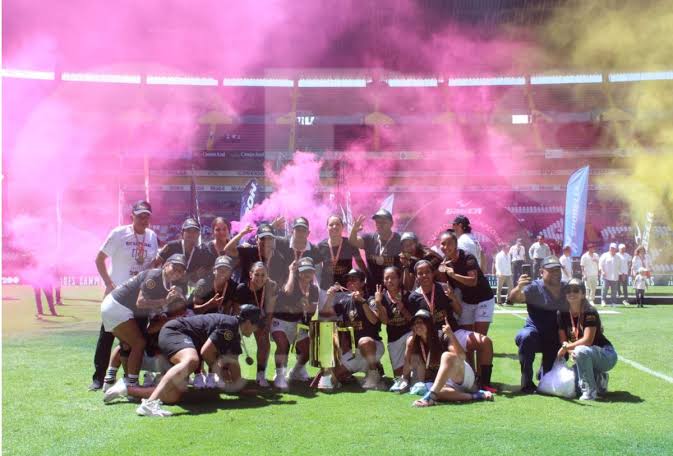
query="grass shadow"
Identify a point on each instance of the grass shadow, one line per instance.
(621, 396)
(506, 355)
(202, 402)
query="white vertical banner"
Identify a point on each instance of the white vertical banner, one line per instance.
(388, 203)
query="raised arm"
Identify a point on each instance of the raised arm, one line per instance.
(230, 248)
(517, 294)
(355, 240)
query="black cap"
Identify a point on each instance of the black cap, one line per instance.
(305, 264)
(142, 207)
(422, 313)
(264, 230)
(382, 213)
(356, 273)
(223, 261)
(300, 222)
(177, 258)
(250, 313)
(461, 220)
(408, 236)
(190, 223)
(551, 262)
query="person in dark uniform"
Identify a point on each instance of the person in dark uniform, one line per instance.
(336, 255)
(262, 292)
(297, 302)
(263, 250)
(543, 298)
(215, 292)
(216, 247)
(291, 249)
(438, 360)
(214, 337)
(354, 310)
(196, 260)
(381, 248)
(412, 251)
(132, 302)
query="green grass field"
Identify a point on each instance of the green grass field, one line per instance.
(46, 409)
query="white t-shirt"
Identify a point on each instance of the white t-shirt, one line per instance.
(469, 245)
(517, 253)
(539, 251)
(610, 265)
(121, 247)
(566, 267)
(589, 263)
(503, 267)
(624, 262)
(638, 263)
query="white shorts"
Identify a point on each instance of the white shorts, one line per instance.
(482, 312)
(467, 385)
(113, 313)
(462, 335)
(289, 328)
(357, 362)
(396, 351)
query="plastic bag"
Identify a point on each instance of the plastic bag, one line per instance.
(559, 381)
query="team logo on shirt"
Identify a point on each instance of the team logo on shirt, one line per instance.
(228, 334)
(352, 314)
(150, 284)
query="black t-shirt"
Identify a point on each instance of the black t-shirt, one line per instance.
(198, 259)
(261, 298)
(222, 330)
(465, 263)
(442, 306)
(296, 306)
(149, 281)
(432, 364)
(204, 291)
(209, 254)
(286, 254)
(590, 319)
(332, 273)
(352, 314)
(397, 325)
(248, 255)
(389, 250)
(425, 253)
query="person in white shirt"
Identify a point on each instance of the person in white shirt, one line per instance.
(589, 264)
(517, 253)
(609, 266)
(503, 273)
(466, 241)
(624, 272)
(640, 284)
(537, 252)
(131, 249)
(566, 261)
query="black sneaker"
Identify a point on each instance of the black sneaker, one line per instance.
(529, 389)
(95, 385)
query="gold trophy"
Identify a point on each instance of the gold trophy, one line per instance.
(325, 350)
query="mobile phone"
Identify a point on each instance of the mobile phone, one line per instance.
(526, 269)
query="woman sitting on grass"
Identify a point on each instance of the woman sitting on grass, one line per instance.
(440, 360)
(581, 335)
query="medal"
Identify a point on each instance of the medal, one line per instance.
(442, 268)
(140, 249)
(378, 260)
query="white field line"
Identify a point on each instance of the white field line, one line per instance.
(634, 364)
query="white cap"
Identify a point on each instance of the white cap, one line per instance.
(622, 246)
(613, 245)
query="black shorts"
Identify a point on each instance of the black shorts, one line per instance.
(172, 340)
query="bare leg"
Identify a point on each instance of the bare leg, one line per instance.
(282, 348)
(263, 348)
(129, 333)
(303, 350)
(482, 327)
(367, 348)
(174, 382)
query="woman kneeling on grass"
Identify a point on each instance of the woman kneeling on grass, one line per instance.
(440, 360)
(215, 337)
(581, 335)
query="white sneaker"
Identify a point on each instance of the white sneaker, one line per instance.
(148, 379)
(152, 408)
(199, 381)
(372, 380)
(397, 385)
(279, 380)
(603, 303)
(211, 381)
(626, 303)
(107, 385)
(115, 391)
(588, 396)
(298, 375)
(325, 383)
(261, 380)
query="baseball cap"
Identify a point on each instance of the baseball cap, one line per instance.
(422, 313)
(251, 313)
(519, 240)
(622, 246)
(190, 224)
(551, 262)
(382, 213)
(142, 207)
(264, 230)
(356, 273)
(177, 258)
(408, 236)
(575, 282)
(613, 245)
(305, 264)
(223, 261)
(300, 222)
(461, 220)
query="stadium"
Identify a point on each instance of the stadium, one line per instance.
(273, 112)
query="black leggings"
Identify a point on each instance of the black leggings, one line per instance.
(640, 297)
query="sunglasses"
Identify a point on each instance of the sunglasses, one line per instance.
(573, 290)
